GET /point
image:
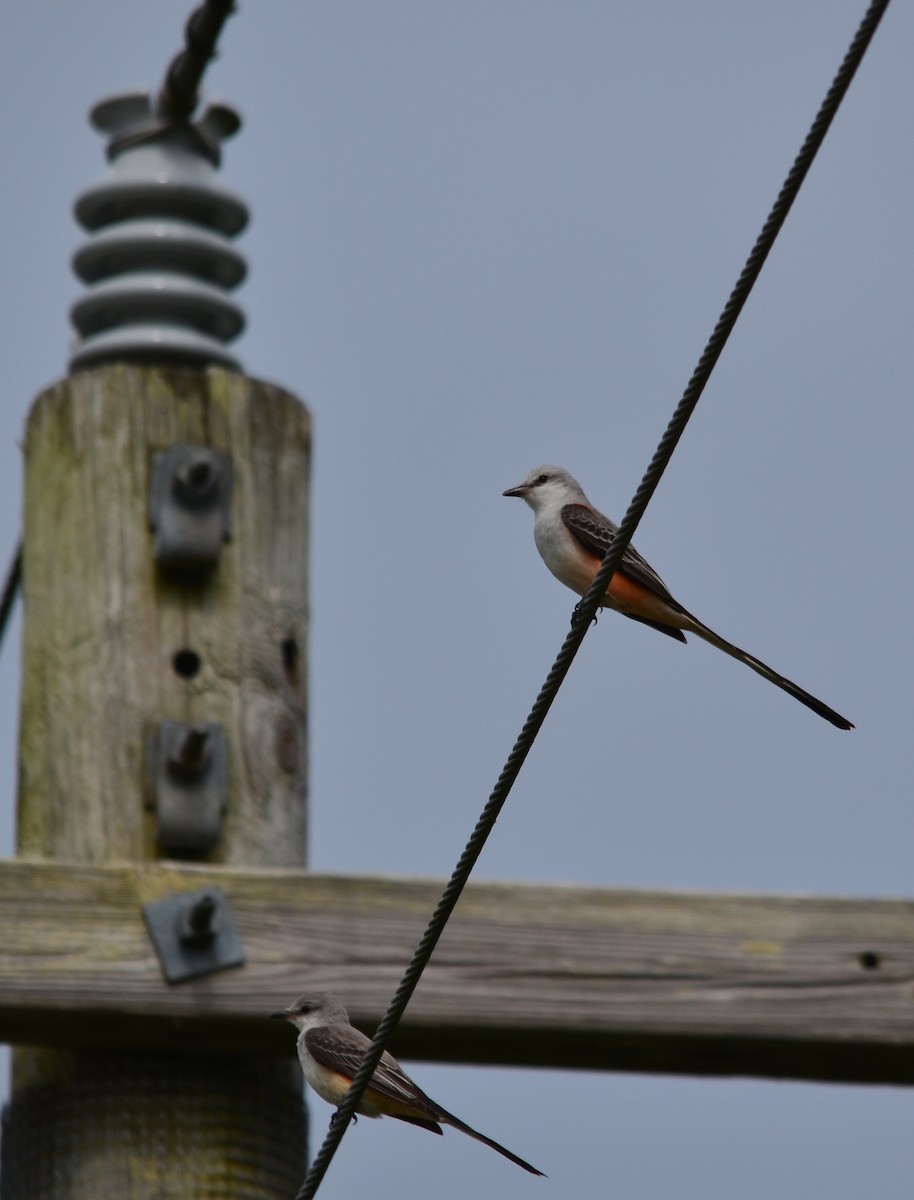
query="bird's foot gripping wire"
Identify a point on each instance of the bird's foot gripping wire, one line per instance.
(576, 614)
(336, 1117)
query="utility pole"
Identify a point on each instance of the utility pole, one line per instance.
(159, 909)
(163, 703)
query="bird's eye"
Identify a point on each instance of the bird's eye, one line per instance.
(542, 479)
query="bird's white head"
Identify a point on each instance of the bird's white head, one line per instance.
(547, 485)
(313, 1009)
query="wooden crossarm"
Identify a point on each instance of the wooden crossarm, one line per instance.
(793, 987)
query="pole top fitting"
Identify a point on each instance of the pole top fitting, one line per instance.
(158, 263)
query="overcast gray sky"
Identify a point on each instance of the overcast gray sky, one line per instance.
(493, 233)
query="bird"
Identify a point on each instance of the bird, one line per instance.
(331, 1049)
(572, 537)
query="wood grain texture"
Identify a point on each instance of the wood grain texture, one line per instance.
(102, 626)
(101, 630)
(795, 987)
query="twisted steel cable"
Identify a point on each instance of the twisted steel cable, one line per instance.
(587, 608)
(11, 588)
(179, 93)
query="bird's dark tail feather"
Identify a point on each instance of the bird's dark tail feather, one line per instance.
(771, 675)
(481, 1137)
(431, 1126)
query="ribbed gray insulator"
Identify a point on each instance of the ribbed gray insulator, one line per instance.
(159, 263)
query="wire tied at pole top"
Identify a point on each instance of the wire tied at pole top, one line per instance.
(180, 90)
(587, 608)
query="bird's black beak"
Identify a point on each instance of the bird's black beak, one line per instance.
(280, 1016)
(521, 491)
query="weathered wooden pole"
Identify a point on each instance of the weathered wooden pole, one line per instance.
(113, 647)
(165, 570)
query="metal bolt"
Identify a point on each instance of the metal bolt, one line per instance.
(197, 921)
(197, 478)
(190, 756)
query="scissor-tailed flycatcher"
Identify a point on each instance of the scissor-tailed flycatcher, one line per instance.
(331, 1050)
(573, 537)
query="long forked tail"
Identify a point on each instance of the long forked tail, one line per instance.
(770, 674)
(447, 1119)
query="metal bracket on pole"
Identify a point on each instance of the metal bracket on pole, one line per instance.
(190, 508)
(188, 774)
(193, 934)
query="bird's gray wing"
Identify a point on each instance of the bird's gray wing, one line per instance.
(341, 1048)
(596, 532)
